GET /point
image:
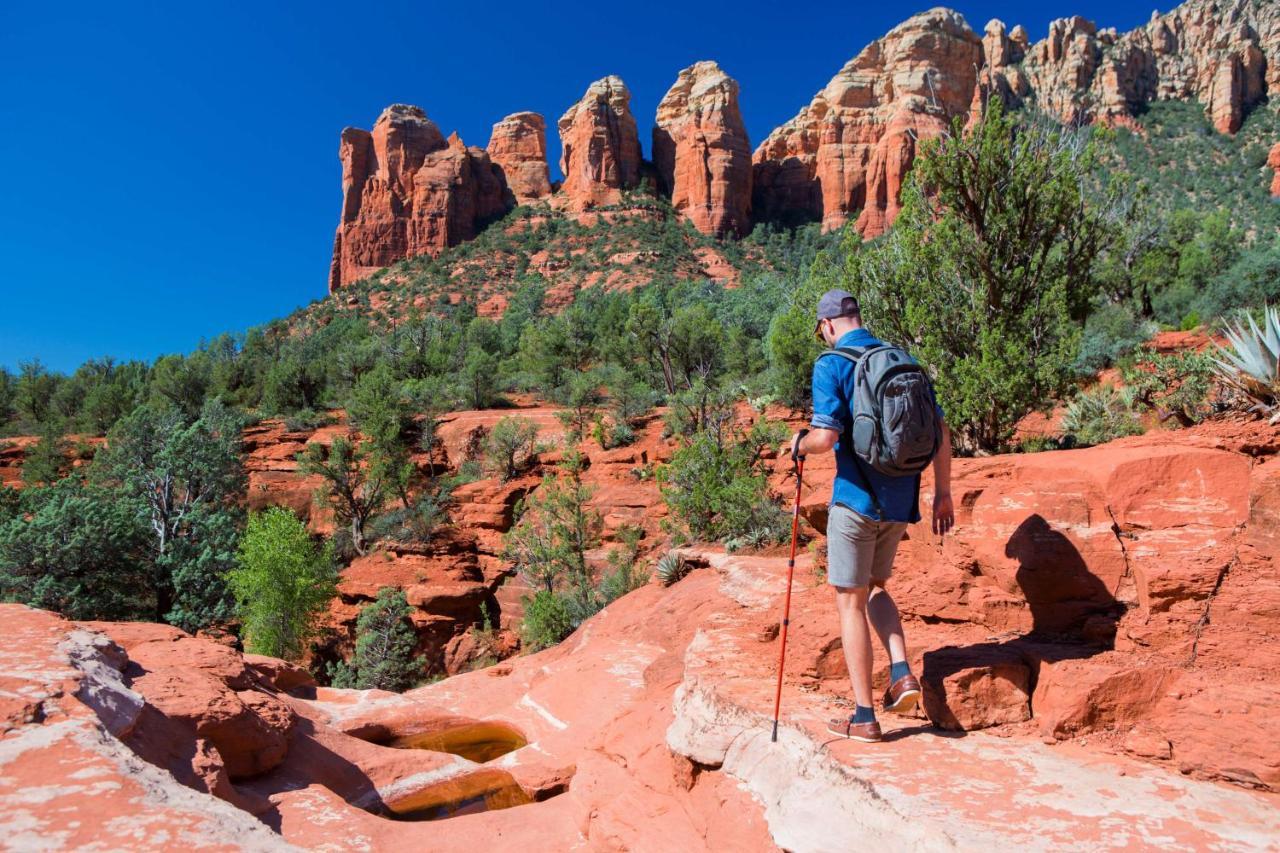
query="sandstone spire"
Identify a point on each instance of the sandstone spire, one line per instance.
(601, 149)
(518, 148)
(701, 151)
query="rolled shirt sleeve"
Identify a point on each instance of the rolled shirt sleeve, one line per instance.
(830, 409)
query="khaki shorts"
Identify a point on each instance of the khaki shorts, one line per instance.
(860, 550)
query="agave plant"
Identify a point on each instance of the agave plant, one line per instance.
(1251, 362)
(671, 567)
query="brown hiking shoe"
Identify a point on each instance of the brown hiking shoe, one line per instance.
(846, 727)
(902, 695)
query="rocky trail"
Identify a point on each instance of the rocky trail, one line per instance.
(1097, 642)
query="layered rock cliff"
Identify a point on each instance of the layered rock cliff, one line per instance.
(1222, 53)
(842, 158)
(846, 153)
(518, 148)
(600, 146)
(701, 152)
(408, 191)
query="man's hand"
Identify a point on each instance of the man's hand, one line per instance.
(795, 444)
(944, 514)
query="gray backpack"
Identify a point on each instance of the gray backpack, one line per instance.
(895, 427)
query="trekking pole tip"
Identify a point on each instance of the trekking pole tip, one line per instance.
(774, 739)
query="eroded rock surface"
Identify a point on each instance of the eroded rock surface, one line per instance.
(406, 190)
(518, 149)
(601, 147)
(844, 156)
(701, 152)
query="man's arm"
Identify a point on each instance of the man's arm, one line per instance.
(944, 513)
(816, 440)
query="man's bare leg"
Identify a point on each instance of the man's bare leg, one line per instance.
(855, 638)
(904, 688)
(883, 614)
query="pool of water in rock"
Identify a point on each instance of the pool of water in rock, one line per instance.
(478, 742)
(471, 795)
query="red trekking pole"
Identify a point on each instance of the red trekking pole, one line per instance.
(791, 570)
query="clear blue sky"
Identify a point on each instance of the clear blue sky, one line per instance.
(171, 168)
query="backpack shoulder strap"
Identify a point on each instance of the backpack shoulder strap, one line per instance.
(853, 354)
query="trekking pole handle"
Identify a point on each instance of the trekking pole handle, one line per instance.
(796, 455)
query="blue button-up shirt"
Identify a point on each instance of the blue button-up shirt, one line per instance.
(832, 398)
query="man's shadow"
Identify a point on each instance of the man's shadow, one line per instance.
(1073, 616)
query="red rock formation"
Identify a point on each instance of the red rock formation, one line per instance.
(701, 151)
(601, 149)
(847, 152)
(1222, 54)
(518, 150)
(407, 191)
(1273, 163)
(849, 149)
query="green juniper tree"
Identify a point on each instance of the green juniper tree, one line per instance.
(186, 476)
(385, 641)
(79, 550)
(990, 267)
(356, 489)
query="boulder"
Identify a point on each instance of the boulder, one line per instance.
(518, 150)
(601, 148)
(701, 152)
(974, 688)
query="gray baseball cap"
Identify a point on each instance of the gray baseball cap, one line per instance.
(835, 303)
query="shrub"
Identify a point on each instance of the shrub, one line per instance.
(356, 489)
(510, 446)
(556, 528)
(1099, 415)
(546, 620)
(990, 266)
(671, 568)
(283, 582)
(625, 573)
(1111, 333)
(78, 550)
(1174, 386)
(716, 486)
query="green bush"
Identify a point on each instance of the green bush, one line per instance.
(546, 620)
(1174, 386)
(78, 550)
(716, 486)
(510, 446)
(990, 267)
(1111, 333)
(282, 584)
(1099, 415)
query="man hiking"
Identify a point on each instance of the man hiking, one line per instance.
(876, 408)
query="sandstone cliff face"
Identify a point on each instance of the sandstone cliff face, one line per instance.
(1222, 54)
(408, 191)
(601, 148)
(518, 148)
(850, 148)
(701, 152)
